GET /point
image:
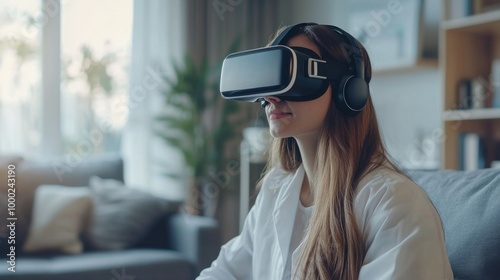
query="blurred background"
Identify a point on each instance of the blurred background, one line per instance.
(138, 80)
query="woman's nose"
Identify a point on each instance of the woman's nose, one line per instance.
(272, 99)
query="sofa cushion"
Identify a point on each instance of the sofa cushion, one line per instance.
(469, 205)
(60, 215)
(69, 170)
(130, 264)
(123, 216)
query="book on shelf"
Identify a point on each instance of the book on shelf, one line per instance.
(472, 93)
(471, 147)
(464, 90)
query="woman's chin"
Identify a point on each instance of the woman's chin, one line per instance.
(278, 134)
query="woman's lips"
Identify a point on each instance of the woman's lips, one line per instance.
(276, 115)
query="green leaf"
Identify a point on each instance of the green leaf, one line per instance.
(193, 92)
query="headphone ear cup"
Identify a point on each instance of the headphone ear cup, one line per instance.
(352, 95)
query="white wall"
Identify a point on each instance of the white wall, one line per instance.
(319, 11)
(409, 108)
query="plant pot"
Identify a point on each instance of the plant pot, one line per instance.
(202, 198)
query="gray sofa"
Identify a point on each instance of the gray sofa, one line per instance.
(177, 247)
(469, 205)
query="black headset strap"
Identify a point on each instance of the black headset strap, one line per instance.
(289, 32)
(358, 64)
(356, 52)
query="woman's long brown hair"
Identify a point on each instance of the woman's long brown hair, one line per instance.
(348, 148)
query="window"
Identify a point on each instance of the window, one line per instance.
(20, 79)
(94, 51)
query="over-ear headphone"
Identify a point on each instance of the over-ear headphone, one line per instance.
(353, 91)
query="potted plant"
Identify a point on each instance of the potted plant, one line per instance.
(199, 123)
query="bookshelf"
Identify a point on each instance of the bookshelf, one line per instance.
(469, 45)
(472, 114)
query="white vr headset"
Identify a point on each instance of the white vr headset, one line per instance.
(295, 73)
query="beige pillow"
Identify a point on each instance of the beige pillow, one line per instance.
(60, 214)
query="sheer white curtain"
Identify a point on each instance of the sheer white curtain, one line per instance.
(163, 32)
(158, 41)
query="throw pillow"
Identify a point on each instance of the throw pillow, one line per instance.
(60, 214)
(123, 216)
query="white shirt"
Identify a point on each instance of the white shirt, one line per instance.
(302, 218)
(401, 229)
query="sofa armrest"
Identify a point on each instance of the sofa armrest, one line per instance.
(196, 237)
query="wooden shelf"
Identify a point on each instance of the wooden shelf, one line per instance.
(472, 114)
(482, 23)
(469, 45)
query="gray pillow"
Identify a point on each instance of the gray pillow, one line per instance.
(122, 216)
(469, 205)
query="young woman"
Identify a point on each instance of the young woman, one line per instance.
(331, 205)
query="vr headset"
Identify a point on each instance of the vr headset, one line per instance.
(295, 73)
